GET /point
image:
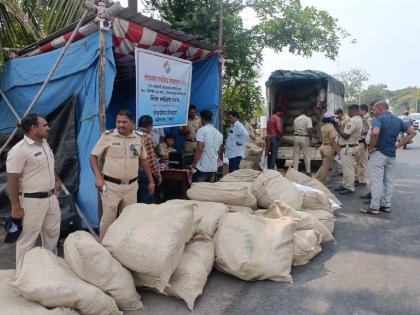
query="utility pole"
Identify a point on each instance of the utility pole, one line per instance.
(220, 44)
(415, 95)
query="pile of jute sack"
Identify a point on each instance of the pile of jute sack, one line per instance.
(252, 225)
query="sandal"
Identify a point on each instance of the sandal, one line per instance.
(369, 211)
(385, 209)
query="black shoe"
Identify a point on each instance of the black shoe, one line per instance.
(345, 191)
(366, 196)
(340, 188)
(357, 184)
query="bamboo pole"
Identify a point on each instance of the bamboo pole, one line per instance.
(101, 79)
(6, 100)
(220, 44)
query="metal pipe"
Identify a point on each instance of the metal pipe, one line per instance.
(6, 100)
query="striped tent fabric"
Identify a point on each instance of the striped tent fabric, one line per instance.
(128, 35)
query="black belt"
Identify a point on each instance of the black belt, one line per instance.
(349, 145)
(39, 195)
(119, 181)
(301, 135)
(189, 140)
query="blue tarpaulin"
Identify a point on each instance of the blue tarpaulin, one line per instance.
(77, 74)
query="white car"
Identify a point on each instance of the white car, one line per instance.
(416, 120)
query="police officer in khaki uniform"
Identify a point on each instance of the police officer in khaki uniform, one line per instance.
(349, 144)
(33, 187)
(342, 121)
(328, 148)
(190, 130)
(362, 154)
(122, 150)
(302, 128)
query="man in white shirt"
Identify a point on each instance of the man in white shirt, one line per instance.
(235, 142)
(209, 143)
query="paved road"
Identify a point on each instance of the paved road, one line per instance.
(373, 268)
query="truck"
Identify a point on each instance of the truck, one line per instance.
(295, 91)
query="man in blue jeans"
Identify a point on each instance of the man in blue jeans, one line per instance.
(235, 142)
(382, 160)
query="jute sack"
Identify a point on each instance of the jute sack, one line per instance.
(323, 216)
(12, 303)
(245, 164)
(306, 245)
(94, 264)
(206, 214)
(241, 175)
(271, 185)
(241, 209)
(190, 277)
(251, 247)
(253, 152)
(316, 200)
(306, 221)
(300, 178)
(45, 278)
(233, 193)
(150, 240)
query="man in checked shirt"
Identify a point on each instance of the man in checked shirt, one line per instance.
(145, 125)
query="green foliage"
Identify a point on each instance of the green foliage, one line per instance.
(375, 92)
(353, 85)
(283, 24)
(24, 21)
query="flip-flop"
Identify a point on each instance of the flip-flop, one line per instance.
(385, 209)
(369, 211)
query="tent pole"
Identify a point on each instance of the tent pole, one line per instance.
(101, 78)
(220, 44)
(47, 80)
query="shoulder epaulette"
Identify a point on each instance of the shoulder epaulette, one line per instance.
(109, 131)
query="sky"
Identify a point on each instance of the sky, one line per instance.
(388, 42)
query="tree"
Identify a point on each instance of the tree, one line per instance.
(353, 84)
(375, 92)
(283, 24)
(24, 21)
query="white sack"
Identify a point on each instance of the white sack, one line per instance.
(206, 214)
(234, 193)
(251, 247)
(306, 245)
(306, 221)
(150, 240)
(45, 278)
(253, 152)
(94, 264)
(300, 178)
(323, 216)
(316, 199)
(241, 209)
(271, 185)
(245, 164)
(12, 303)
(241, 175)
(190, 277)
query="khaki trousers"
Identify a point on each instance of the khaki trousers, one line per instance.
(348, 160)
(301, 143)
(42, 217)
(115, 196)
(362, 163)
(327, 155)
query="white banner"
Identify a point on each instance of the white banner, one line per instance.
(163, 85)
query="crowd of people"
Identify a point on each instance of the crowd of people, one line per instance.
(363, 142)
(126, 164)
(361, 146)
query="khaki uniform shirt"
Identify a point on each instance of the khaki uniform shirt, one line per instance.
(301, 125)
(36, 164)
(328, 132)
(192, 125)
(343, 120)
(354, 129)
(164, 150)
(367, 126)
(122, 154)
